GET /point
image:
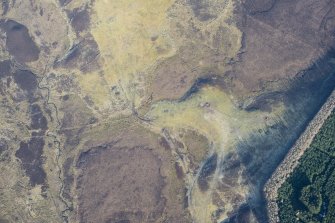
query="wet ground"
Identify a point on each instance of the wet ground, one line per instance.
(19, 43)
